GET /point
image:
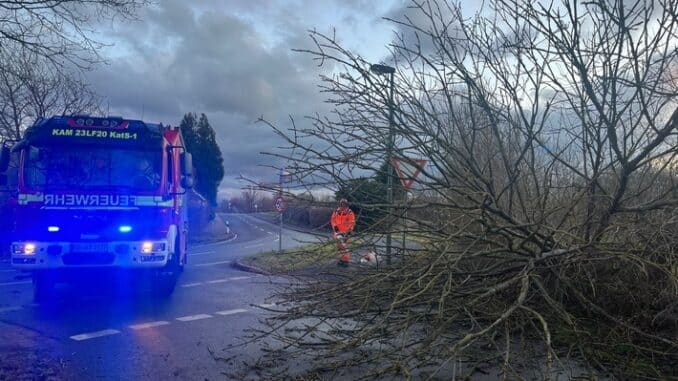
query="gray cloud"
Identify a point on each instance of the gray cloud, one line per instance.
(232, 61)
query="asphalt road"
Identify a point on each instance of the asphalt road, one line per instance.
(97, 334)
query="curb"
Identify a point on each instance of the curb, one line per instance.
(211, 241)
(250, 269)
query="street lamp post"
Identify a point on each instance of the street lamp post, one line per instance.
(381, 70)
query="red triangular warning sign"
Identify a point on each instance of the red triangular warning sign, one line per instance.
(407, 169)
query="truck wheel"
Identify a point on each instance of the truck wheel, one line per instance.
(168, 276)
(43, 287)
(183, 263)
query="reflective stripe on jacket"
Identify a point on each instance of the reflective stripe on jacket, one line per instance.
(343, 220)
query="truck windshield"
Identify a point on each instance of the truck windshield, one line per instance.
(50, 168)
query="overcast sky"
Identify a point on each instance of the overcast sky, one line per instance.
(233, 61)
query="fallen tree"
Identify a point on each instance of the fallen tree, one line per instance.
(547, 210)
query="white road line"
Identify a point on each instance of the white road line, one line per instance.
(149, 324)
(211, 263)
(194, 317)
(15, 283)
(191, 284)
(217, 281)
(10, 309)
(202, 253)
(239, 277)
(267, 305)
(231, 312)
(92, 335)
(206, 245)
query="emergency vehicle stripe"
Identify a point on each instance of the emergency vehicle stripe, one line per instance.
(26, 198)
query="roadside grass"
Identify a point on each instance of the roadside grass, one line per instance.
(304, 257)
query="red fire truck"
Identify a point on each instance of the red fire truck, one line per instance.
(99, 194)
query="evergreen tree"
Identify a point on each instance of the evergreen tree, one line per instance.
(188, 128)
(364, 193)
(207, 160)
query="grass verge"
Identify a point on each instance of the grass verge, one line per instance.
(301, 258)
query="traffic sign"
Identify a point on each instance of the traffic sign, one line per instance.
(280, 205)
(407, 169)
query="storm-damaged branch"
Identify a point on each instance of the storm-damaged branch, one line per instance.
(546, 217)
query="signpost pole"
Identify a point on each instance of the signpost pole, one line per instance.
(280, 211)
(406, 206)
(407, 170)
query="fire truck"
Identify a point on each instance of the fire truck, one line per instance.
(98, 194)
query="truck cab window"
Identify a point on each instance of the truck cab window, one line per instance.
(85, 167)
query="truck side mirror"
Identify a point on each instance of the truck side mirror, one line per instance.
(186, 164)
(4, 158)
(187, 182)
(186, 170)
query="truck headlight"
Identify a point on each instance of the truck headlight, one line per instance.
(27, 248)
(149, 247)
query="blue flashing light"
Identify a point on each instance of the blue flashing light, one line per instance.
(52, 229)
(125, 229)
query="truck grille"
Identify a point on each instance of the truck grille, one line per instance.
(88, 258)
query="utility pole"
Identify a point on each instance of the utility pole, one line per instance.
(380, 70)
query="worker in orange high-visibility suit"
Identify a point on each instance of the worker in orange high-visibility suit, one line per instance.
(343, 223)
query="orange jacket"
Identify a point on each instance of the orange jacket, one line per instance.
(343, 220)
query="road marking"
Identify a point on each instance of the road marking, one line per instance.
(92, 335)
(191, 284)
(206, 245)
(211, 263)
(202, 253)
(149, 325)
(218, 281)
(194, 317)
(10, 309)
(239, 277)
(267, 305)
(231, 312)
(15, 283)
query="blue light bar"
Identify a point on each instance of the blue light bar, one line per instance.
(125, 228)
(52, 229)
